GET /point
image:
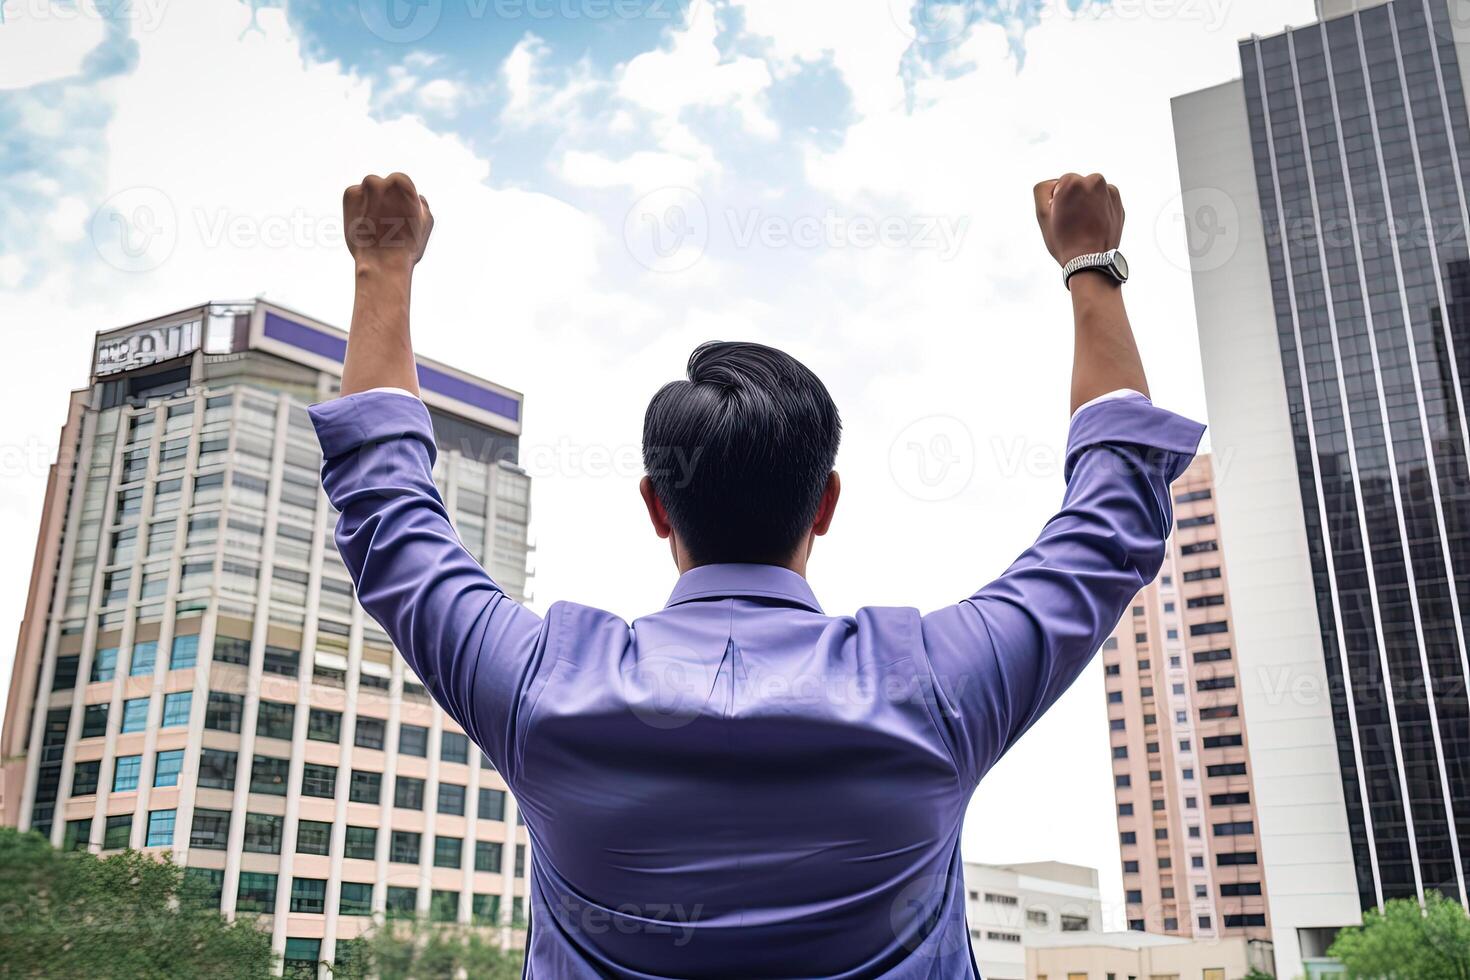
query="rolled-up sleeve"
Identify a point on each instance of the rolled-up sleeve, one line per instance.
(1003, 656)
(471, 645)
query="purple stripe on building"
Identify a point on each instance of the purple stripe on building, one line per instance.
(315, 341)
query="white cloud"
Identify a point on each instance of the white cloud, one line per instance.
(42, 41)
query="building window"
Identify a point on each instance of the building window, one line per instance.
(176, 708)
(1240, 889)
(184, 653)
(403, 847)
(1133, 896)
(64, 678)
(263, 833)
(408, 793)
(117, 832)
(443, 906)
(160, 828)
(487, 856)
(360, 843)
(454, 747)
(485, 908)
(227, 649)
(268, 775)
(448, 852)
(413, 740)
(492, 804)
(222, 712)
(318, 780)
(125, 771)
(1074, 923)
(1003, 937)
(166, 767)
(313, 837)
(994, 898)
(257, 892)
(1226, 769)
(217, 769)
(94, 720)
(301, 957)
(278, 660)
(323, 725)
(1215, 683)
(369, 733)
(402, 902)
(1238, 828)
(145, 656)
(84, 778)
(104, 664)
(211, 829)
(275, 719)
(135, 715)
(357, 898)
(1209, 629)
(309, 895)
(451, 799)
(78, 835)
(365, 787)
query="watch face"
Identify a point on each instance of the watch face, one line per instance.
(1120, 263)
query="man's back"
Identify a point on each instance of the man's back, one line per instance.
(739, 785)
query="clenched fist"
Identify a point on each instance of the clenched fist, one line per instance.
(386, 222)
(1079, 215)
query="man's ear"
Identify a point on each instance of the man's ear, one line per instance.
(828, 507)
(656, 513)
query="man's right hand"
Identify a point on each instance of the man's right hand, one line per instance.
(1079, 215)
(386, 221)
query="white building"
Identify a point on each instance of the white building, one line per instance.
(1012, 907)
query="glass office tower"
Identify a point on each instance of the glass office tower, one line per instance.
(194, 675)
(1326, 196)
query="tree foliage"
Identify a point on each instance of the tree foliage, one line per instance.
(1407, 942)
(73, 914)
(421, 950)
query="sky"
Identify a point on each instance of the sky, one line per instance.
(614, 182)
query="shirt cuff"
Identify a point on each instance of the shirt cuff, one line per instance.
(346, 424)
(1116, 393)
(1168, 442)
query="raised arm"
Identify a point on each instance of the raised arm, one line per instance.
(1080, 216)
(472, 645)
(387, 224)
(1003, 656)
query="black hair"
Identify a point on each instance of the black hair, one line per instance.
(739, 454)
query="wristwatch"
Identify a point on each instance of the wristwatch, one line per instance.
(1110, 263)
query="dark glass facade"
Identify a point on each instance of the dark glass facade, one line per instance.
(1360, 139)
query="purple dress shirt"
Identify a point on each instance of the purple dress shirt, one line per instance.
(740, 785)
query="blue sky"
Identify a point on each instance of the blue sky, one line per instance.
(615, 181)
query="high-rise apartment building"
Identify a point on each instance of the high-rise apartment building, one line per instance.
(1325, 194)
(194, 676)
(1182, 780)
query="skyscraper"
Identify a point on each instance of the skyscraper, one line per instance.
(1325, 196)
(1186, 808)
(194, 676)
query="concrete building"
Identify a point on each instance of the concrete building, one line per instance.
(1185, 803)
(1143, 956)
(1013, 907)
(194, 676)
(1325, 193)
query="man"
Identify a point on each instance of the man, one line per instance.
(739, 785)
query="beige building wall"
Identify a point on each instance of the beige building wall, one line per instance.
(1116, 958)
(1185, 803)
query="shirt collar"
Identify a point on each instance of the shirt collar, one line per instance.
(749, 581)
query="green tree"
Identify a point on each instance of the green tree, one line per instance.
(73, 914)
(421, 950)
(1407, 942)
